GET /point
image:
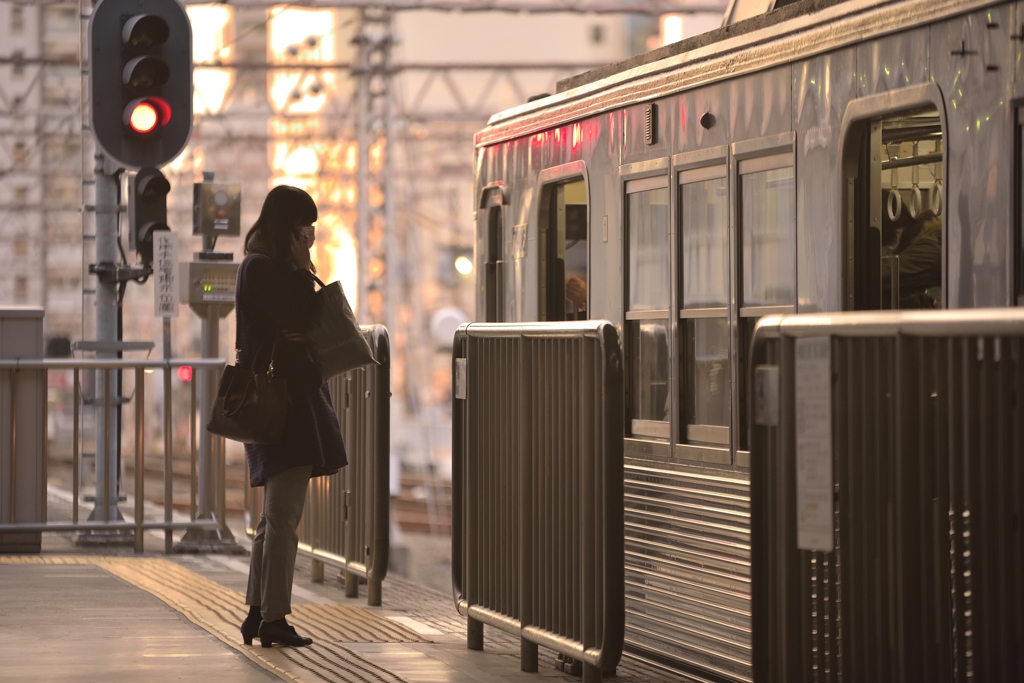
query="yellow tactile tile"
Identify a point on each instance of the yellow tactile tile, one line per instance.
(220, 610)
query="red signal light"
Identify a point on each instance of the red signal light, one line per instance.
(185, 373)
(143, 118)
(146, 115)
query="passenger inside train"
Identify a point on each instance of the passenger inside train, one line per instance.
(901, 245)
(916, 248)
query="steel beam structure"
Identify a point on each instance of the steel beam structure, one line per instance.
(650, 7)
(374, 124)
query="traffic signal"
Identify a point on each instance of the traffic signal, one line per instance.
(147, 210)
(141, 80)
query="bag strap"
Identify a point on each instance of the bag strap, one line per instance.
(318, 280)
(256, 356)
(273, 350)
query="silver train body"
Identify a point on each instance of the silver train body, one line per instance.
(788, 167)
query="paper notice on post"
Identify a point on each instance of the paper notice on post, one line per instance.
(165, 273)
(814, 498)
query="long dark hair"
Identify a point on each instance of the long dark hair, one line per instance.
(285, 209)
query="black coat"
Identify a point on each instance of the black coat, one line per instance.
(271, 297)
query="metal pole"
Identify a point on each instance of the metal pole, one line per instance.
(14, 447)
(168, 444)
(211, 473)
(363, 168)
(168, 468)
(210, 344)
(388, 187)
(106, 332)
(76, 462)
(140, 455)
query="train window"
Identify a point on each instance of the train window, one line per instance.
(766, 235)
(648, 298)
(564, 251)
(768, 225)
(704, 327)
(896, 212)
(494, 235)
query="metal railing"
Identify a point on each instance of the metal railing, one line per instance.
(887, 490)
(347, 517)
(105, 404)
(537, 479)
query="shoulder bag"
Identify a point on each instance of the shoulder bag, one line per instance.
(333, 337)
(250, 407)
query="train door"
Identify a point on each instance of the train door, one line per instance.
(493, 224)
(894, 211)
(564, 268)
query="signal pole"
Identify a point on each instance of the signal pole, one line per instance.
(209, 280)
(107, 455)
(140, 106)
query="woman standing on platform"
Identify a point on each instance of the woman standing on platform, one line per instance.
(274, 303)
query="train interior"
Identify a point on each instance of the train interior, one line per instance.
(564, 251)
(898, 238)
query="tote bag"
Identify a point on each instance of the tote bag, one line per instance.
(333, 338)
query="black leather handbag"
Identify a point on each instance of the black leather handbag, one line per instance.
(250, 407)
(335, 342)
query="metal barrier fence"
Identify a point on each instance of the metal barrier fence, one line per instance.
(106, 403)
(537, 518)
(347, 517)
(887, 485)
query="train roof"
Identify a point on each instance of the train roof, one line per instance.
(797, 31)
(775, 16)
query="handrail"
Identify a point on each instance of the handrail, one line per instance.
(13, 369)
(113, 364)
(966, 321)
(920, 449)
(537, 478)
(346, 522)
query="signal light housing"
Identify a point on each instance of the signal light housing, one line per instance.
(140, 80)
(147, 210)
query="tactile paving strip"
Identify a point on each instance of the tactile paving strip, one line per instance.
(220, 610)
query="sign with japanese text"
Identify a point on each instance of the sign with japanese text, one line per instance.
(815, 507)
(165, 274)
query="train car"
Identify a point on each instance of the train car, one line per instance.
(826, 156)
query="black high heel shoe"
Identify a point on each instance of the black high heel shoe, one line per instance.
(251, 625)
(281, 631)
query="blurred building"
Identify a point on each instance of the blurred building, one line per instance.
(41, 162)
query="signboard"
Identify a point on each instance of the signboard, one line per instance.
(814, 490)
(165, 274)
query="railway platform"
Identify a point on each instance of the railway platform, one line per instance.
(69, 614)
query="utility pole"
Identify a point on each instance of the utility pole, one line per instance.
(375, 223)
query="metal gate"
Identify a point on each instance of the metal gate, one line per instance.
(887, 496)
(537, 488)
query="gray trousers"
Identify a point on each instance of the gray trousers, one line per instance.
(272, 563)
